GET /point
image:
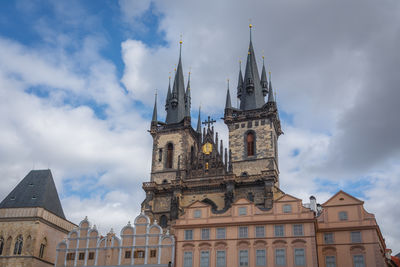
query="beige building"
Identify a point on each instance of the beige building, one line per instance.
(246, 235)
(347, 235)
(32, 222)
(142, 244)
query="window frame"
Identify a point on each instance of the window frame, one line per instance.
(257, 233)
(357, 264)
(197, 214)
(298, 233)
(246, 251)
(216, 258)
(303, 255)
(205, 233)
(326, 260)
(242, 211)
(250, 144)
(169, 162)
(186, 233)
(284, 256)
(217, 233)
(329, 240)
(241, 233)
(257, 257)
(201, 264)
(287, 208)
(275, 230)
(343, 216)
(355, 237)
(185, 258)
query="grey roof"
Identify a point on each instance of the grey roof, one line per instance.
(251, 99)
(176, 103)
(37, 189)
(188, 99)
(167, 104)
(154, 117)
(398, 255)
(240, 82)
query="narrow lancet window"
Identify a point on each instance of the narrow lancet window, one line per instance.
(250, 144)
(170, 154)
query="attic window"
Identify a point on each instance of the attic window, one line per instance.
(34, 197)
(12, 198)
(341, 198)
(31, 184)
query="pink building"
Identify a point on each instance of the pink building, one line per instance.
(347, 235)
(246, 235)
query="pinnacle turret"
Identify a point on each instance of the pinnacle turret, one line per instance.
(198, 129)
(228, 103)
(240, 81)
(154, 117)
(264, 81)
(270, 92)
(188, 98)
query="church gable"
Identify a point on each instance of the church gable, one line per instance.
(287, 198)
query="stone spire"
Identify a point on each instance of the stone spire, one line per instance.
(264, 81)
(187, 99)
(198, 129)
(176, 109)
(240, 81)
(252, 95)
(271, 98)
(228, 103)
(154, 117)
(167, 105)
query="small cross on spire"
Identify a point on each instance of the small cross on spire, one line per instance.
(209, 122)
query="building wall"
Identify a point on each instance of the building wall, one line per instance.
(140, 244)
(233, 243)
(371, 246)
(36, 226)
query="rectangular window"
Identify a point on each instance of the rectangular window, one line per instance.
(297, 229)
(71, 256)
(358, 261)
(160, 155)
(197, 213)
(279, 230)
(205, 233)
(221, 258)
(128, 254)
(204, 258)
(187, 259)
(280, 257)
(356, 237)
(330, 261)
(260, 257)
(242, 211)
(243, 258)
(139, 254)
(299, 257)
(343, 215)
(91, 255)
(260, 231)
(81, 256)
(153, 253)
(188, 234)
(328, 238)
(220, 233)
(243, 232)
(287, 208)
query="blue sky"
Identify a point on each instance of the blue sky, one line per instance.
(77, 84)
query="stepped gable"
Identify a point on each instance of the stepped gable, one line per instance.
(37, 189)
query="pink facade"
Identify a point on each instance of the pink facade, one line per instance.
(246, 235)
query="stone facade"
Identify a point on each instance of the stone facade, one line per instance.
(38, 229)
(142, 244)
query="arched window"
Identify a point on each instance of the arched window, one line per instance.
(28, 245)
(250, 144)
(163, 221)
(1, 245)
(170, 154)
(18, 245)
(7, 250)
(191, 154)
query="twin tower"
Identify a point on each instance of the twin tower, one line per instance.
(191, 165)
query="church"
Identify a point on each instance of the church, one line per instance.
(207, 205)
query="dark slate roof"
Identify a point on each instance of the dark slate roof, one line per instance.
(37, 189)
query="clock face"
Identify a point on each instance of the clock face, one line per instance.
(207, 148)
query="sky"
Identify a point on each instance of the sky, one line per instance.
(78, 78)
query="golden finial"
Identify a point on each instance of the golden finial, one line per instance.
(175, 67)
(180, 40)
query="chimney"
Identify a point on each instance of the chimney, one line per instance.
(313, 204)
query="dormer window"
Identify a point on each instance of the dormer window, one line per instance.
(287, 208)
(250, 144)
(197, 213)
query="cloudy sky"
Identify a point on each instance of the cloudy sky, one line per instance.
(77, 84)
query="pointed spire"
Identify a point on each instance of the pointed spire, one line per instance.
(252, 95)
(199, 122)
(264, 81)
(154, 118)
(240, 81)
(228, 103)
(168, 94)
(271, 92)
(177, 110)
